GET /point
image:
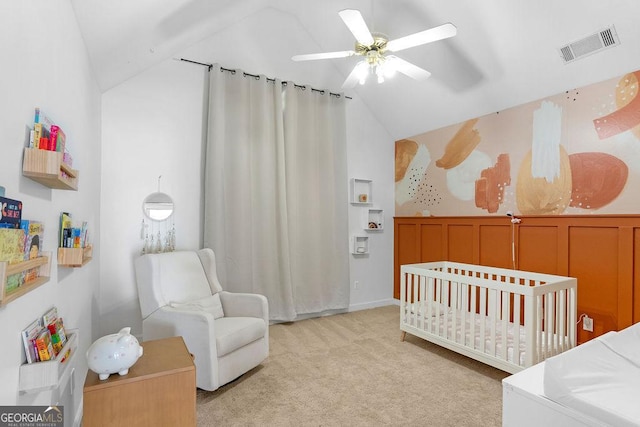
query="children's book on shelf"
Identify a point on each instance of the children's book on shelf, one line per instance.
(12, 251)
(58, 336)
(44, 338)
(55, 325)
(50, 316)
(10, 213)
(65, 230)
(33, 239)
(11, 245)
(46, 134)
(44, 345)
(84, 235)
(29, 335)
(57, 139)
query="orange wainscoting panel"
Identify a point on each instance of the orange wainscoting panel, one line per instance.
(601, 251)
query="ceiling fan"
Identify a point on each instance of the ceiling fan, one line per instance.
(374, 48)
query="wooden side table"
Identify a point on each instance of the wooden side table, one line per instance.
(159, 390)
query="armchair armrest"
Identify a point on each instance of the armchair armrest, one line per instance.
(197, 328)
(245, 305)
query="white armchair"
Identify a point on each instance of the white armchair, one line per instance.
(228, 333)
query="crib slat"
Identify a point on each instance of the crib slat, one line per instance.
(463, 313)
(557, 330)
(563, 320)
(437, 319)
(444, 303)
(494, 315)
(453, 304)
(473, 316)
(483, 314)
(516, 330)
(505, 323)
(539, 316)
(553, 324)
(403, 298)
(423, 299)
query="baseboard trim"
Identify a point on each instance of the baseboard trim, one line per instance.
(373, 304)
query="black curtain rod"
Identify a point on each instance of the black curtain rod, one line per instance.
(256, 76)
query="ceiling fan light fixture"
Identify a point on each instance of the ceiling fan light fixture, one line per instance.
(374, 47)
(362, 71)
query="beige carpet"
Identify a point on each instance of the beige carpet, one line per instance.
(353, 370)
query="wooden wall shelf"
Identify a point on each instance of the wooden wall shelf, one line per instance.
(6, 270)
(74, 257)
(47, 168)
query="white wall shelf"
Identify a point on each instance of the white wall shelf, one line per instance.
(360, 245)
(38, 376)
(361, 191)
(374, 220)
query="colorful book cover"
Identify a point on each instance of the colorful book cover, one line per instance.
(11, 245)
(34, 236)
(14, 282)
(41, 136)
(29, 334)
(57, 139)
(53, 138)
(37, 134)
(65, 225)
(45, 346)
(84, 236)
(58, 336)
(50, 316)
(10, 212)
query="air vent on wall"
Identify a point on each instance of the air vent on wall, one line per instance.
(593, 43)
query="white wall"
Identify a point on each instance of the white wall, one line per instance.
(45, 64)
(371, 154)
(152, 125)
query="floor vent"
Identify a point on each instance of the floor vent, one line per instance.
(591, 44)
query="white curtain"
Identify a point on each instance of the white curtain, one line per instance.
(275, 193)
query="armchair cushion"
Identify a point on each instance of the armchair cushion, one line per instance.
(180, 294)
(209, 303)
(233, 333)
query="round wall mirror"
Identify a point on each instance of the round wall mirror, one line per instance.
(157, 206)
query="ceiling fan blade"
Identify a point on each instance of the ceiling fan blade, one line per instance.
(407, 68)
(427, 36)
(359, 73)
(325, 55)
(354, 21)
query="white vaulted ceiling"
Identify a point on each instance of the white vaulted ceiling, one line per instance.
(505, 52)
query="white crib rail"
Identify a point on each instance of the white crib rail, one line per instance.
(457, 305)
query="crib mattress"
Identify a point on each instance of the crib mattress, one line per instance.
(596, 381)
(477, 338)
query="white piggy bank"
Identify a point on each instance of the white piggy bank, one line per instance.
(114, 353)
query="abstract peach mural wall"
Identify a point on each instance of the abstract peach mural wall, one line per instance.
(574, 153)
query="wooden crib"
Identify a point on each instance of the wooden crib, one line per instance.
(509, 319)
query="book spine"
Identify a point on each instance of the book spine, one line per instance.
(53, 137)
(43, 349)
(61, 141)
(37, 134)
(36, 353)
(28, 347)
